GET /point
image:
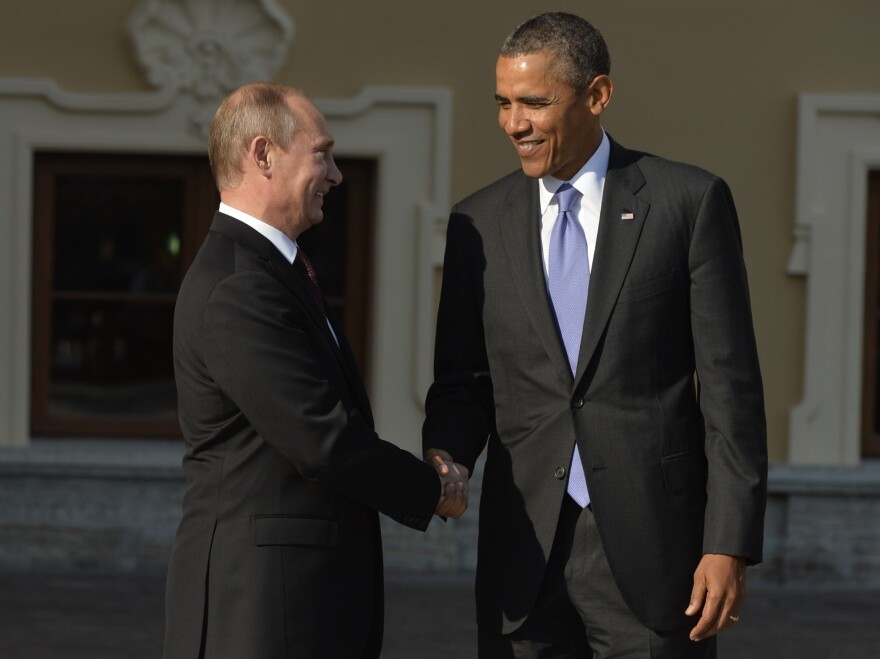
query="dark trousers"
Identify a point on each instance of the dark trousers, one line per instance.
(580, 613)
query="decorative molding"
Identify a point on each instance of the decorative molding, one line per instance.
(84, 102)
(209, 48)
(201, 48)
(798, 260)
(838, 145)
(431, 246)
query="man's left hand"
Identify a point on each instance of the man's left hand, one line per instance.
(718, 594)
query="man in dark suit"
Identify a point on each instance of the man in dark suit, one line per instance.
(278, 553)
(595, 331)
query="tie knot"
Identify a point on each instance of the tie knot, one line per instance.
(566, 196)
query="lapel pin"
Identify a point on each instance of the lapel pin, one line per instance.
(626, 215)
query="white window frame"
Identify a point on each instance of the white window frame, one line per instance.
(838, 145)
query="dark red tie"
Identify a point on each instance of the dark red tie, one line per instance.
(302, 262)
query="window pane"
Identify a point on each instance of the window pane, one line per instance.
(111, 358)
(117, 234)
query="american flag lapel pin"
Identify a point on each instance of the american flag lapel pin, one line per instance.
(626, 215)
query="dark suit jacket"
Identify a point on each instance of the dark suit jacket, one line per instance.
(675, 467)
(278, 553)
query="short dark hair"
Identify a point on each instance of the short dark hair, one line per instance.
(580, 50)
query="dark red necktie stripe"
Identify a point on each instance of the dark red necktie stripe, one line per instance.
(302, 262)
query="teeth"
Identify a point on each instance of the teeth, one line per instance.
(527, 146)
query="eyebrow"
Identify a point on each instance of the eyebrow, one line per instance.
(528, 100)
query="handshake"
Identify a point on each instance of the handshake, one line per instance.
(453, 482)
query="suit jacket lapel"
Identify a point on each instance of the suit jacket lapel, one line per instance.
(339, 345)
(255, 242)
(520, 229)
(295, 281)
(615, 245)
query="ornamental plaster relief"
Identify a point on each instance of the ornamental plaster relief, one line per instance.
(208, 48)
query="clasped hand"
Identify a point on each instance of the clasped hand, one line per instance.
(453, 483)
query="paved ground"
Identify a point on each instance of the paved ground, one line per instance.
(103, 616)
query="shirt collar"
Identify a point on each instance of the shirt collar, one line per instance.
(589, 180)
(281, 240)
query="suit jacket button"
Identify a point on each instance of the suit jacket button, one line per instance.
(560, 473)
(579, 403)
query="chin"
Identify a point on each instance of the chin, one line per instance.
(533, 171)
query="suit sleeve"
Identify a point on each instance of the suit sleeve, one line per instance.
(459, 406)
(731, 391)
(259, 350)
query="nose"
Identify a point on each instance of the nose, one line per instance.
(513, 120)
(333, 173)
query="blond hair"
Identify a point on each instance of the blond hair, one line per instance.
(255, 109)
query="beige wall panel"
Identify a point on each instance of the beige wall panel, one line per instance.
(82, 45)
(712, 83)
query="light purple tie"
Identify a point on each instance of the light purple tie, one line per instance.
(569, 279)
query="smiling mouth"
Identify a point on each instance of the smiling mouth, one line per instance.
(526, 148)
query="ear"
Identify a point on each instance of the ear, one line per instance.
(599, 94)
(260, 154)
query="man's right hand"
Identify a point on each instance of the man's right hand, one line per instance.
(453, 483)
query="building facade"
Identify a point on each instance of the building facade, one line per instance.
(104, 107)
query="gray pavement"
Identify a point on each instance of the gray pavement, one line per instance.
(87, 615)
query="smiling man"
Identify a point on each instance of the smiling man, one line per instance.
(595, 337)
(278, 553)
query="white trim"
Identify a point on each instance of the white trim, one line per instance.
(51, 93)
(838, 145)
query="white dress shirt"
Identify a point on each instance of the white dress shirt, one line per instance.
(590, 182)
(281, 240)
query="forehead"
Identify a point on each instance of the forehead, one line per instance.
(524, 71)
(311, 124)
